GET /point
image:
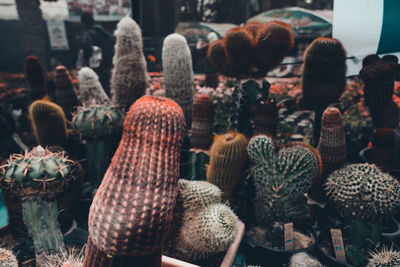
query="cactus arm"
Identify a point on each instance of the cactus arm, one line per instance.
(99, 156)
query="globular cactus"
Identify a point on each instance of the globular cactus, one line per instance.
(218, 58)
(178, 73)
(281, 178)
(303, 260)
(97, 124)
(7, 258)
(382, 150)
(35, 77)
(384, 258)
(48, 123)
(65, 94)
(363, 192)
(202, 125)
(132, 210)
(227, 159)
(266, 118)
(129, 75)
(37, 178)
(90, 90)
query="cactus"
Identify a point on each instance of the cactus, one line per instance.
(7, 258)
(363, 192)
(96, 124)
(384, 258)
(197, 164)
(65, 94)
(302, 260)
(202, 124)
(48, 123)
(386, 115)
(35, 77)
(382, 150)
(178, 73)
(37, 178)
(227, 159)
(90, 90)
(218, 58)
(129, 75)
(281, 178)
(132, 210)
(266, 118)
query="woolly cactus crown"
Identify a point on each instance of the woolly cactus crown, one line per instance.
(90, 89)
(363, 192)
(128, 38)
(7, 258)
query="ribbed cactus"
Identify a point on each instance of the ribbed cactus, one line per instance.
(37, 178)
(132, 210)
(386, 115)
(266, 118)
(227, 159)
(239, 48)
(64, 91)
(48, 123)
(129, 75)
(197, 164)
(281, 178)
(384, 258)
(218, 58)
(202, 125)
(7, 258)
(363, 192)
(178, 73)
(35, 77)
(90, 90)
(383, 149)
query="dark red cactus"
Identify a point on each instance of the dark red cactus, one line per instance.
(35, 78)
(132, 210)
(382, 151)
(65, 93)
(202, 122)
(253, 28)
(218, 59)
(266, 118)
(239, 48)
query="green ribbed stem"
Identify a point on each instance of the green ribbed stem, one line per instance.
(98, 153)
(40, 217)
(197, 165)
(360, 231)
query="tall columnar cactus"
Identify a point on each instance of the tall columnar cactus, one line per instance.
(178, 73)
(35, 77)
(48, 123)
(202, 125)
(132, 210)
(363, 192)
(386, 115)
(384, 258)
(129, 75)
(37, 178)
(266, 118)
(227, 159)
(382, 150)
(90, 90)
(97, 124)
(7, 258)
(281, 178)
(64, 91)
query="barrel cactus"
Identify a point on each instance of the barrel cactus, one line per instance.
(7, 258)
(35, 77)
(227, 160)
(37, 178)
(90, 90)
(132, 210)
(281, 178)
(97, 124)
(129, 75)
(384, 258)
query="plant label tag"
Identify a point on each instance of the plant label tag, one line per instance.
(338, 246)
(288, 234)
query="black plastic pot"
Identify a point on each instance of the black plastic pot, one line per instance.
(364, 159)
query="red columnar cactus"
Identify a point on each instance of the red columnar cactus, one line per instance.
(132, 210)
(65, 93)
(266, 118)
(35, 78)
(382, 150)
(202, 122)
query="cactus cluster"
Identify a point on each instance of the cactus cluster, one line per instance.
(363, 192)
(131, 213)
(201, 135)
(129, 75)
(90, 90)
(65, 94)
(7, 258)
(227, 160)
(384, 258)
(281, 178)
(35, 77)
(178, 73)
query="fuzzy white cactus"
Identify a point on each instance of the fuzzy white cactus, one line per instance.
(129, 75)
(7, 258)
(178, 73)
(303, 260)
(90, 90)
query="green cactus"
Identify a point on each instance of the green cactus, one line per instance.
(37, 178)
(96, 124)
(281, 178)
(7, 258)
(197, 164)
(384, 258)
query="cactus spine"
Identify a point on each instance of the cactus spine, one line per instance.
(202, 124)
(129, 75)
(132, 210)
(90, 90)
(64, 91)
(384, 258)
(35, 77)
(7, 258)
(227, 159)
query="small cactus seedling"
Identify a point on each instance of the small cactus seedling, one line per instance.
(64, 91)
(7, 258)
(35, 77)
(90, 90)
(384, 258)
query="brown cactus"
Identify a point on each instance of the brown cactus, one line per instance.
(202, 122)
(132, 211)
(65, 93)
(35, 77)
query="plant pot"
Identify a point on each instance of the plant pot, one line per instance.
(363, 155)
(260, 254)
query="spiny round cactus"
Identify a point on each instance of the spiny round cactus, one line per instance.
(303, 260)
(64, 91)
(90, 90)
(7, 258)
(48, 123)
(363, 192)
(129, 75)
(202, 125)
(97, 121)
(35, 78)
(384, 258)
(281, 178)
(178, 73)
(210, 232)
(227, 159)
